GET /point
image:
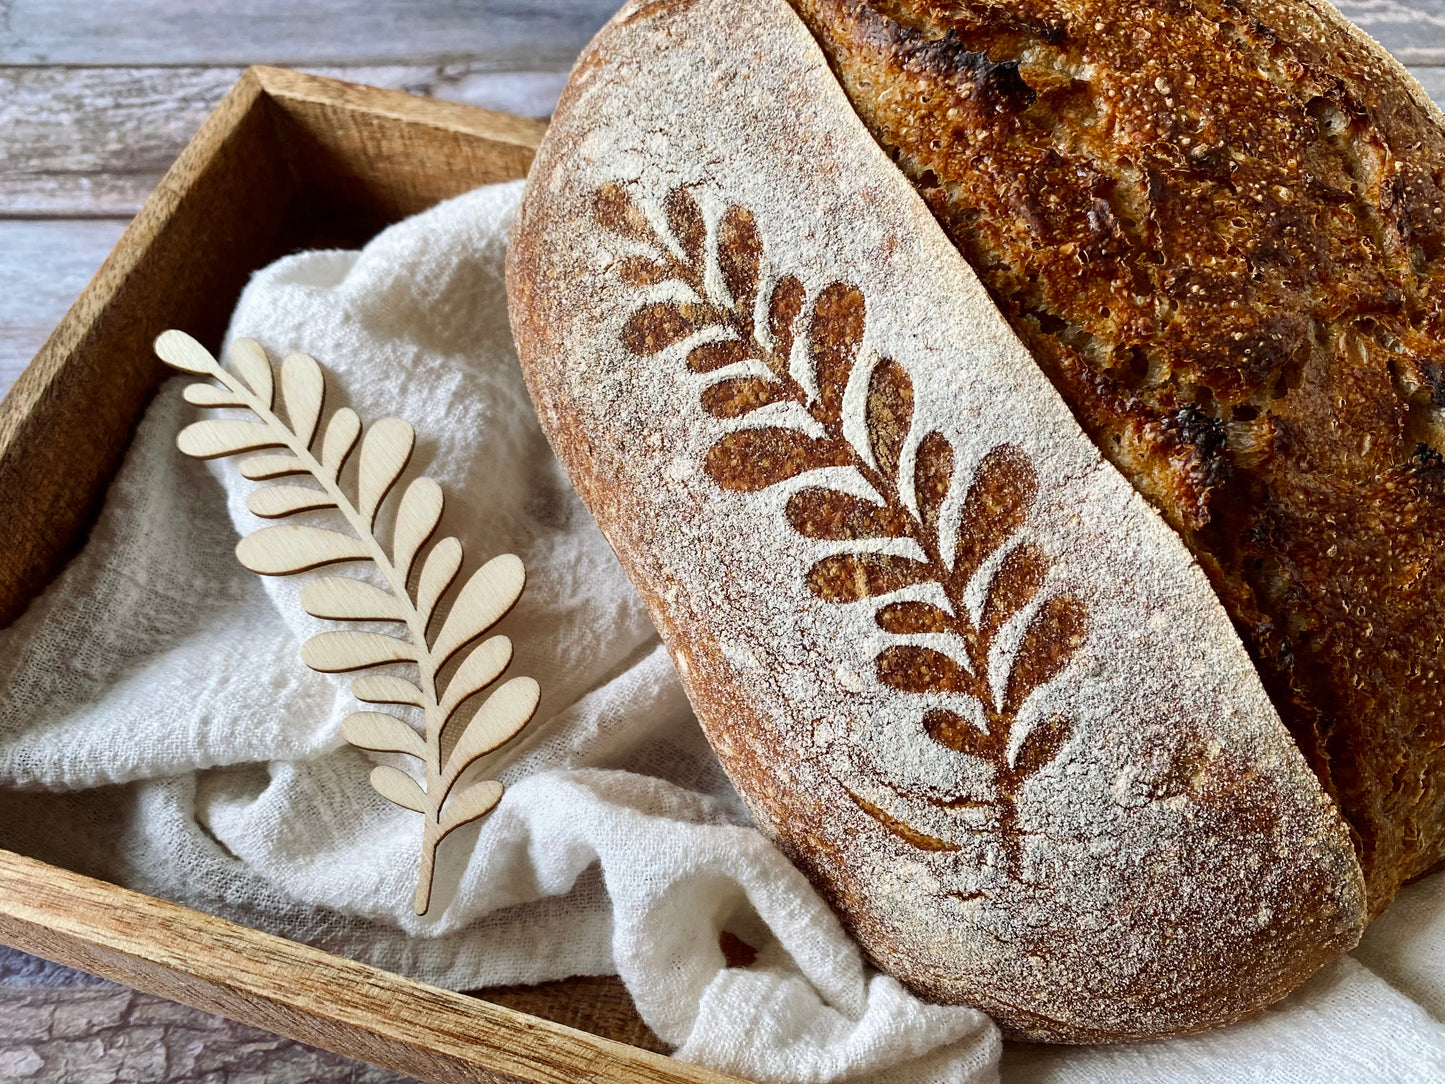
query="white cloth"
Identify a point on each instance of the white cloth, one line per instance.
(166, 735)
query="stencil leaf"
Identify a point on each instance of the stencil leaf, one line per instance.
(684, 219)
(381, 733)
(385, 450)
(912, 669)
(492, 590)
(1041, 745)
(395, 785)
(640, 271)
(752, 459)
(1017, 581)
(888, 415)
(474, 802)
(341, 598)
(272, 502)
(261, 467)
(953, 731)
(614, 209)
(902, 829)
(482, 666)
(829, 514)
(655, 327)
(717, 355)
(995, 507)
(416, 521)
(850, 577)
(739, 249)
(254, 366)
(912, 618)
(295, 547)
(303, 390)
(496, 722)
(386, 689)
(215, 437)
(784, 308)
(734, 398)
(437, 573)
(341, 433)
(836, 338)
(1054, 634)
(208, 395)
(338, 652)
(180, 351)
(932, 476)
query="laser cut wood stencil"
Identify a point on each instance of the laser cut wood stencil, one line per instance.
(417, 574)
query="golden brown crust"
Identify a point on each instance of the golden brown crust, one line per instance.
(1218, 227)
(993, 709)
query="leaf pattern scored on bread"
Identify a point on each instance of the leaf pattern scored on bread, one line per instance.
(451, 749)
(744, 340)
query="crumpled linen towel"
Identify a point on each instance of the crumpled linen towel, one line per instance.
(162, 732)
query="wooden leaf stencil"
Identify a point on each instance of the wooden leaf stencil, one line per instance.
(382, 733)
(273, 502)
(341, 433)
(214, 438)
(261, 468)
(993, 508)
(296, 547)
(387, 689)
(303, 390)
(386, 447)
(341, 598)
(255, 369)
(473, 802)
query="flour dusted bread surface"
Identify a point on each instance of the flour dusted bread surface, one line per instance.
(958, 668)
(1220, 230)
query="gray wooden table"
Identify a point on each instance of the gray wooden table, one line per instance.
(96, 99)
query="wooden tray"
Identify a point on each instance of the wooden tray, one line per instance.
(286, 161)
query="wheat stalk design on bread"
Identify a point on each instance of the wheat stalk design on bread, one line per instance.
(444, 801)
(752, 367)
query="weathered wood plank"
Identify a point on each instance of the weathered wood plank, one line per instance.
(43, 267)
(94, 141)
(64, 1034)
(303, 993)
(1433, 80)
(512, 33)
(1414, 30)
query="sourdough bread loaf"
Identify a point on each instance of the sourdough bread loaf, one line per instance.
(958, 667)
(1219, 228)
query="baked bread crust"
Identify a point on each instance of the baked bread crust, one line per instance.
(962, 673)
(1218, 227)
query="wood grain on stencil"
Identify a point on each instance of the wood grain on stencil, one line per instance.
(449, 746)
(304, 993)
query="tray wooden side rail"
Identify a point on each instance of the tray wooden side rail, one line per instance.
(303, 993)
(287, 161)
